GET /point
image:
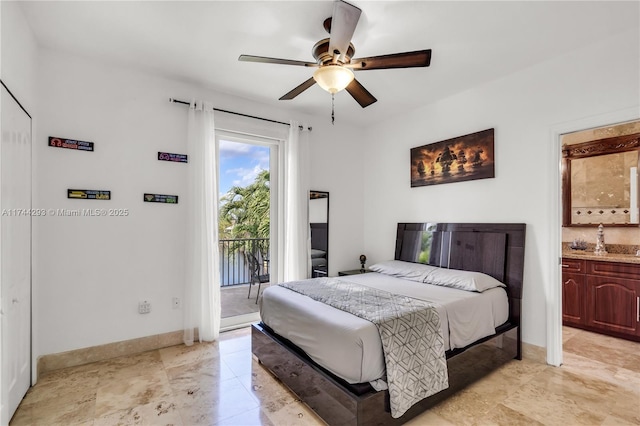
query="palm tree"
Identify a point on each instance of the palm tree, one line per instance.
(245, 211)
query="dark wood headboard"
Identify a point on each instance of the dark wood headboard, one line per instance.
(496, 249)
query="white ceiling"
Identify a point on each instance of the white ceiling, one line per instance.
(199, 42)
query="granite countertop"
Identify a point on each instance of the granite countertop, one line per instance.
(609, 257)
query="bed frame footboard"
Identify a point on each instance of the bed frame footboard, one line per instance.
(338, 405)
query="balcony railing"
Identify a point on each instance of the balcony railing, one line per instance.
(233, 264)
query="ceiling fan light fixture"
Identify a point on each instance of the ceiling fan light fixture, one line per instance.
(333, 78)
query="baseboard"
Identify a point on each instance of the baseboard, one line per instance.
(534, 353)
(91, 354)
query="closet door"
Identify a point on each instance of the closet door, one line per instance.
(15, 254)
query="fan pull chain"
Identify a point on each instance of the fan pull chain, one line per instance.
(333, 118)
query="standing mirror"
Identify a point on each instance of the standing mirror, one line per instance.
(319, 223)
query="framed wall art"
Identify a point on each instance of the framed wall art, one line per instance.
(70, 144)
(88, 194)
(160, 198)
(467, 157)
(168, 156)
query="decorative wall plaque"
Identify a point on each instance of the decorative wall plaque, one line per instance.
(161, 198)
(167, 156)
(70, 144)
(88, 194)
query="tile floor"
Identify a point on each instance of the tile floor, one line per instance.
(221, 384)
(234, 300)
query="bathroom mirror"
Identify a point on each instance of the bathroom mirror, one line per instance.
(600, 182)
(319, 223)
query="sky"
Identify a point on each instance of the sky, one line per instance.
(240, 163)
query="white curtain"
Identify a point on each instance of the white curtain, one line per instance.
(202, 286)
(297, 256)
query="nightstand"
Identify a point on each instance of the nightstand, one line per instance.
(354, 272)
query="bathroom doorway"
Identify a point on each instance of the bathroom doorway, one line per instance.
(583, 236)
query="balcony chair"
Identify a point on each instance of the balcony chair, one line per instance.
(256, 277)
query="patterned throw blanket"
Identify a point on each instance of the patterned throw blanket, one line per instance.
(409, 329)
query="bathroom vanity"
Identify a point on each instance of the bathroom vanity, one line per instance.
(601, 293)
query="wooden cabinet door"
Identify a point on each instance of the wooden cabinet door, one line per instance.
(573, 297)
(612, 304)
(574, 292)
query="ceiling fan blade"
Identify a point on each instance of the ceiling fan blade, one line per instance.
(264, 59)
(343, 24)
(301, 88)
(419, 58)
(360, 94)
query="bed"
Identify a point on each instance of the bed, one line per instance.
(341, 375)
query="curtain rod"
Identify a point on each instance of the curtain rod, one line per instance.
(176, 101)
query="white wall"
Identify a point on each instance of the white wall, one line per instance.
(523, 108)
(337, 167)
(18, 62)
(90, 272)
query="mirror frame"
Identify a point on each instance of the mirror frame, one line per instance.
(313, 195)
(594, 148)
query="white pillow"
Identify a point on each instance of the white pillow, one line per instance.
(463, 280)
(407, 270)
(315, 253)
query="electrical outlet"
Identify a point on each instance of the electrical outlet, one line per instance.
(176, 303)
(144, 307)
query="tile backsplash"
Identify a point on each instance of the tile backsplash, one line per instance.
(612, 234)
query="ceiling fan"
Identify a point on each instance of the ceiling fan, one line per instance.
(334, 58)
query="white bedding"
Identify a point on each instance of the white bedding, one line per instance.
(350, 347)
